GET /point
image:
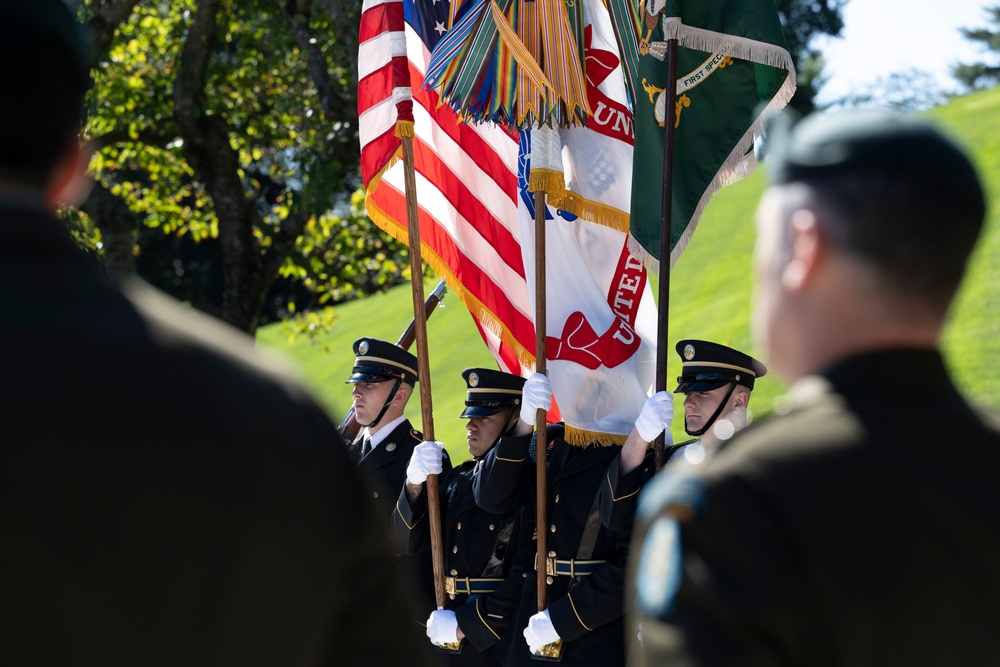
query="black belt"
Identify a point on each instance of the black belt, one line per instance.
(569, 568)
(459, 585)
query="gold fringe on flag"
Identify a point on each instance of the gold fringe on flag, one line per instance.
(580, 438)
(404, 128)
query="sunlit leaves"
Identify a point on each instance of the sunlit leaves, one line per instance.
(296, 157)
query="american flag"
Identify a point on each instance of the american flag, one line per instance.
(466, 175)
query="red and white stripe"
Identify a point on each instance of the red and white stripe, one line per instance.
(466, 179)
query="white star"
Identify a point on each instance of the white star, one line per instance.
(439, 27)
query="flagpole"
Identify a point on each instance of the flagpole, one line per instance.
(666, 216)
(541, 420)
(423, 365)
(553, 651)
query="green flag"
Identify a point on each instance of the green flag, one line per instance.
(733, 69)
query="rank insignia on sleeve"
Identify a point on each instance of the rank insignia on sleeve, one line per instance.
(659, 571)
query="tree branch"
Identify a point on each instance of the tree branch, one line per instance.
(118, 225)
(209, 152)
(147, 136)
(329, 94)
(106, 16)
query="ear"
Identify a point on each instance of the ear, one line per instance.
(740, 399)
(806, 250)
(403, 393)
(70, 184)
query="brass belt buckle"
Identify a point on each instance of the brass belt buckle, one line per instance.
(550, 567)
(449, 587)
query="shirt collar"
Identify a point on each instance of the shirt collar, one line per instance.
(384, 432)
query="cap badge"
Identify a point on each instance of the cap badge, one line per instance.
(473, 379)
(390, 447)
(689, 352)
(363, 347)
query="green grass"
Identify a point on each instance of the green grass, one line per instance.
(710, 298)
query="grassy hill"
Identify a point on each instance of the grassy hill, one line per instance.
(711, 292)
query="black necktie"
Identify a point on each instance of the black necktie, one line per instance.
(366, 447)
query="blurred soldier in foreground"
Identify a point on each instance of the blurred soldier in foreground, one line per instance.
(486, 555)
(383, 377)
(168, 496)
(844, 531)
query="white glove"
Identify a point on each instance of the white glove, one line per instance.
(442, 627)
(656, 416)
(426, 460)
(540, 631)
(537, 394)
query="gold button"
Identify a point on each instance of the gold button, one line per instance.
(375, 495)
(557, 497)
(459, 525)
(524, 575)
(492, 526)
(553, 528)
(552, 554)
(454, 573)
(454, 550)
(548, 580)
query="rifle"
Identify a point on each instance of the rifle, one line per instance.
(349, 427)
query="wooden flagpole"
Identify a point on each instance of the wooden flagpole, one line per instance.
(423, 364)
(666, 218)
(541, 420)
(550, 652)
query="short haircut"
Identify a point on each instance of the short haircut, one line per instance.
(894, 192)
(914, 233)
(44, 79)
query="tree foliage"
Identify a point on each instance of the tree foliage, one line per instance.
(802, 21)
(981, 74)
(903, 92)
(232, 125)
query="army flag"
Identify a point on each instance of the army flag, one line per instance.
(601, 316)
(733, 69)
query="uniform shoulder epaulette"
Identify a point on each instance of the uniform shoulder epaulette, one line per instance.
(414, 433)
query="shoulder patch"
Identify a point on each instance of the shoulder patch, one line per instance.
(658, 575)
(671, 490)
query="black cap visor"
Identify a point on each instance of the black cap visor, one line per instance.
(372, 374)
(482, 409)
(702, 382)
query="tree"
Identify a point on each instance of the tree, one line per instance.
(802, 20)
(233, 124)
(902, 92)
(982, 75)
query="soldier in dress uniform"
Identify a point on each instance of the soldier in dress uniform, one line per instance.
(384, 376)
(487, 554)
(586, 559)
(860, 525)
(716, 381)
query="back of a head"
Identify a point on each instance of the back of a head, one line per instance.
(44, 79)
(896, 192)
